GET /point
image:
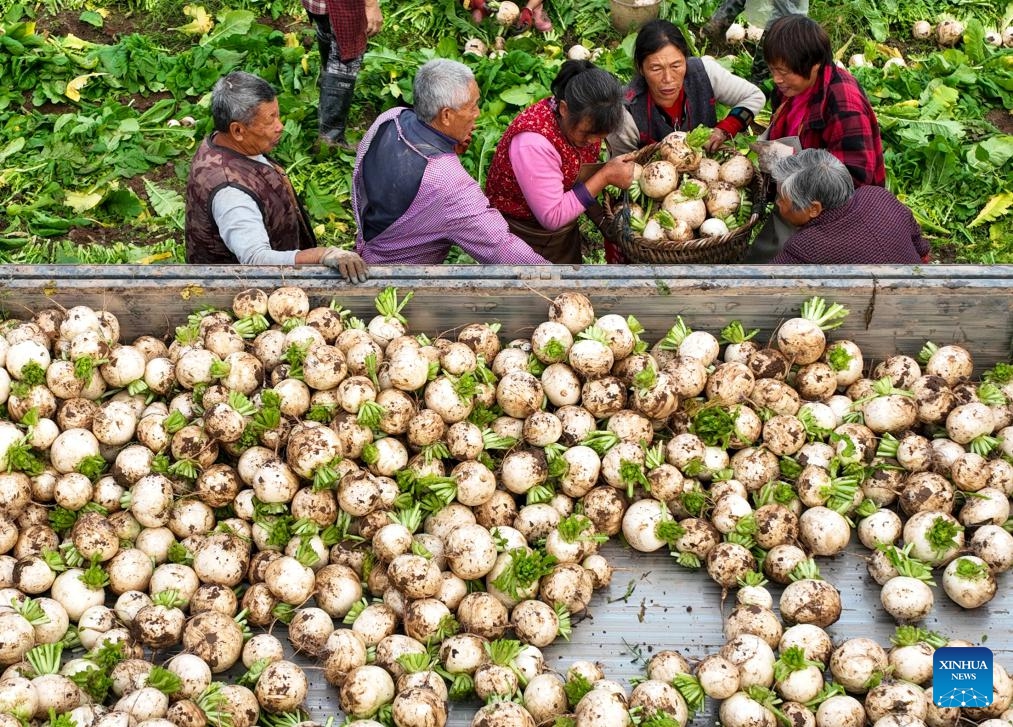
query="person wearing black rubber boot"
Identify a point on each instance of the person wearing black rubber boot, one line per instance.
(342, 28)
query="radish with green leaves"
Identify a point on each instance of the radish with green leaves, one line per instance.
(935, 537)
(972, 424)
(911, 655)
(643, 525)
(796, 678)
(856, 663)
(840, 710)
(809, 599)
(969, 582)
(802, 339)
(743, 710)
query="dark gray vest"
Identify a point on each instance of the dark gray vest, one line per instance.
(698, 105)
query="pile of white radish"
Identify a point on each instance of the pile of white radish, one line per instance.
(765, 675)
(682, 193)
(950, 32)
(795, 677)
(426, 514)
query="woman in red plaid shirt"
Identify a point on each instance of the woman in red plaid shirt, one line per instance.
(821, 104)
(816, 105)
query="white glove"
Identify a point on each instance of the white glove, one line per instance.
(349, 264)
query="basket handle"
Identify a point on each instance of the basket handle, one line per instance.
(617, 226)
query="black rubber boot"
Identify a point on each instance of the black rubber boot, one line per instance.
(336, 93)
(722, 17)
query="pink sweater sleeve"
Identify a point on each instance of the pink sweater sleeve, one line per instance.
(539, 175)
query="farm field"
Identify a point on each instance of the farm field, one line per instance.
(92, 163)
(579, 496)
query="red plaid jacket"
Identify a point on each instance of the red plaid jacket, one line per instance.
(348, 23)
(841, 120)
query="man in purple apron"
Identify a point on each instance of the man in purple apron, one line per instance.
(411, 196)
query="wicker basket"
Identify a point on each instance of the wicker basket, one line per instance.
(728, 248)
(628, 16)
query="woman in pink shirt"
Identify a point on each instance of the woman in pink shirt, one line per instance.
(538, 177)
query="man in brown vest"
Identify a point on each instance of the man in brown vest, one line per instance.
(240, 205)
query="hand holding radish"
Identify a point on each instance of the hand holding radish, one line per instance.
(770, 153)
(717, 138)
(617, 171)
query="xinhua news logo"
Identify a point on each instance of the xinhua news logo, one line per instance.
(962, 676)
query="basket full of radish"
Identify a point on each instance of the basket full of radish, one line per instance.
(687, 205)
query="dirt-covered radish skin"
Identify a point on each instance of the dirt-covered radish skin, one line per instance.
(306, 483)
(855, 661)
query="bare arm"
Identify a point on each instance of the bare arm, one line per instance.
(374, 18)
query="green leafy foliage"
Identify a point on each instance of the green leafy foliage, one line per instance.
(576, 686)
(946, 158)
(524, 569)
(85, 144)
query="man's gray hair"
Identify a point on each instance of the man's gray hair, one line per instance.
(440, 84)
(814, 175)
(237, 96)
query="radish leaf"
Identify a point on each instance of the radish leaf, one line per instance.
(995, 208)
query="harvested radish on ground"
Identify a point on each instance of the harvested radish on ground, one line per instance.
(507, 13)
(949, 32)
(736, 33)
